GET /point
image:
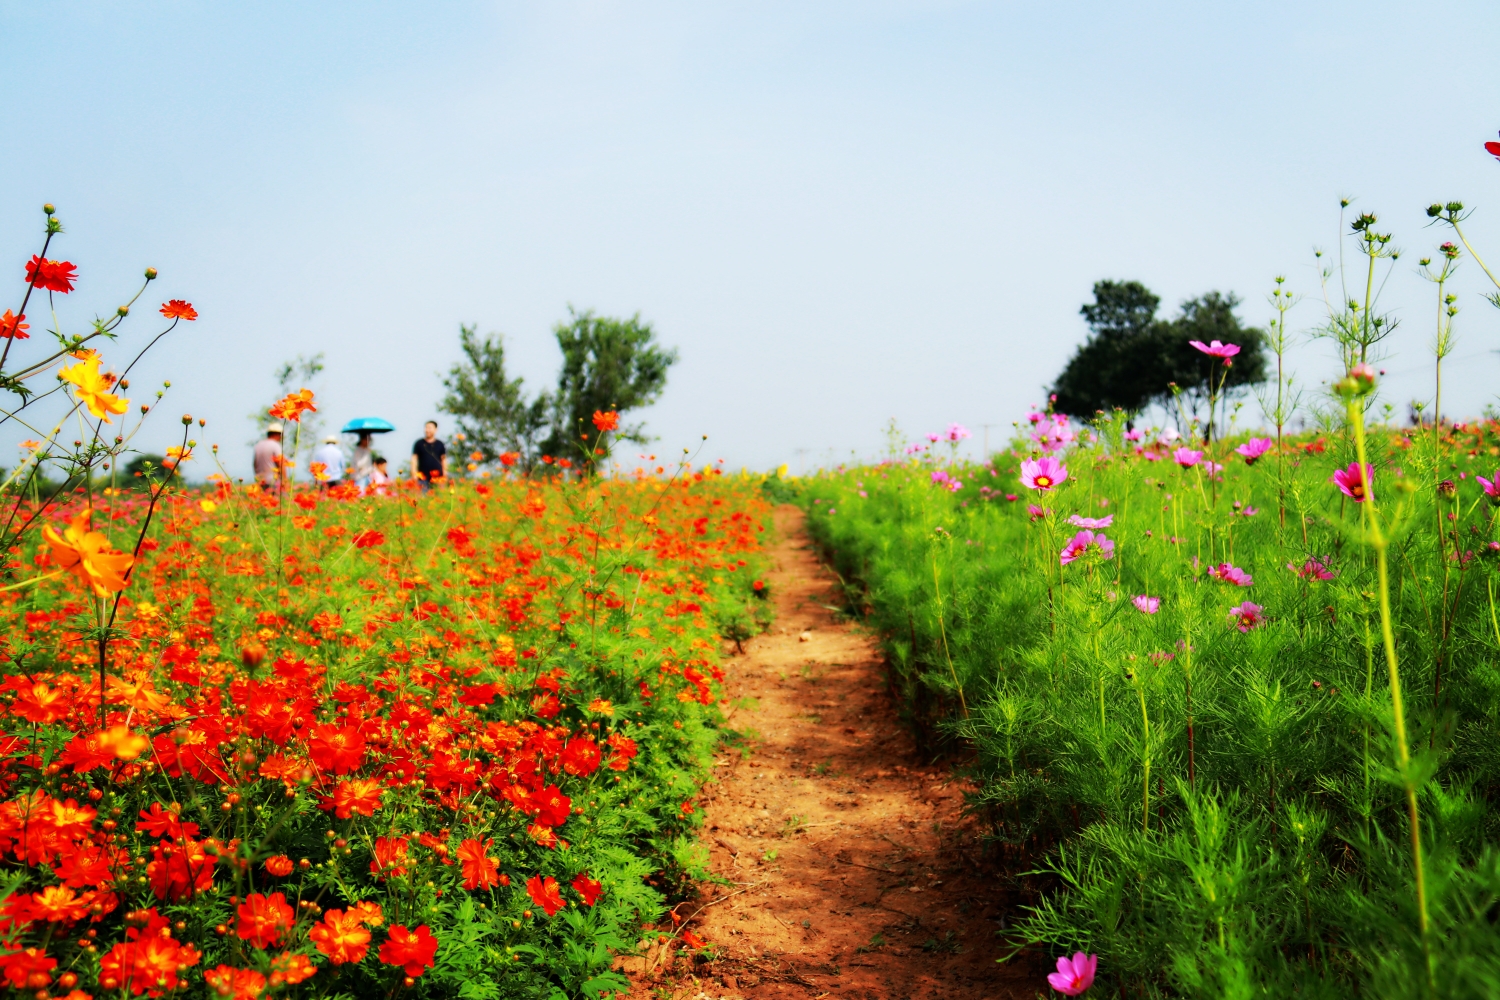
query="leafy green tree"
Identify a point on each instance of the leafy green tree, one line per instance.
(1132, 359)
(608, 364)
(1117, 366)
(491, 409)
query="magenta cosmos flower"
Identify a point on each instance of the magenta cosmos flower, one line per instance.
(1216, 349)
(1147, 605)
(1084, 543)
(1491, 487)
(1230, 574)
(1246, 616)
(1074, 975)
(1312, 569)
(1092, 522)
(1348, 480)
(1254, 448)
(1043, 473)
(1187, 457)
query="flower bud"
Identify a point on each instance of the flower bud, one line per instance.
(1447, 489)
(123, 311)
(50, 209)
(187, 418)
(1454, 206)
(1433, 211)
(150, 274)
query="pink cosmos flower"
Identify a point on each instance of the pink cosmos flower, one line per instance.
(1074, 975)
(1246, 616)
(1134, 434)
(915, 449)
(1216, 349)
(1036, 511)
(1085, 542)
(1491, 486)
(1230, 574)
(1167, 436)
(1043, 473)
(1348, 481)
(1149, 456)
(1187, 457)
(1254, 448)
(1147, 605)
(1312, 569)
(956, 433)
(1011, 497)
(941, 478)
(1092, 522)
(1211, 467)
(934, 438)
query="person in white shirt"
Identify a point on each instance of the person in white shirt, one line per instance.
(332, 457)
(363, 465)
(380, 479)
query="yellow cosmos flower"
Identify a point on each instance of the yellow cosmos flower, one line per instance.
(87, 554)
(92, 388)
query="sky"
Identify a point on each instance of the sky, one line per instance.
(838, 213)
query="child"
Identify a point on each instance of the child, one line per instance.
(380, 479)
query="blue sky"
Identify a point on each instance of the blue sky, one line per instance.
(839, 213)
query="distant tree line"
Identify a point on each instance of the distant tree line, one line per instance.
(1132, 359)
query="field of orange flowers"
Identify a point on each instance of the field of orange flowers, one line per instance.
(325, 744)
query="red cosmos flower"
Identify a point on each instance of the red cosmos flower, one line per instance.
(263, 918)
(341, 936)
(1493, 148)
(692, 940)
(368, 539)
(581, 757)
(479, 869)
(337, 749)
(552, 806)
(15, 326)
(362, 795)
(27, 967)
(236, 984)
(293, 405)
(180, 870)
(40, 704)
(606, 420)
(545, 893)
(390, 857)
(178, 309)
(412, 950)
(148, 959)
(510, 458)
(280, 866)
(159, 822)
(51, 275)
(589, 889)
(625, 751)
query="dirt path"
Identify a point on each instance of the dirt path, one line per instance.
(850, 871)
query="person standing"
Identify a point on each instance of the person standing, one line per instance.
(268, 468)
(429, 457)
(363, 465)
(332, 457)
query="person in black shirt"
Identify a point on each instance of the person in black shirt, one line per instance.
(429, 457)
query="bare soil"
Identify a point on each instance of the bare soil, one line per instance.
(848, 868)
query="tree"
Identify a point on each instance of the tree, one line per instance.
(1116, 366)
(1132, 359)
(491, 409)
(608, 364)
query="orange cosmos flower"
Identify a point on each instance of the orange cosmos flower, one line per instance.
(479, 869)
(337, 749)
(236, 984)
(291, 967)
(15, 326)
(57, 903)
(92, 388)
(178, 309)
(606, 420)
(40, 704)
(176, 456)
(279, 866)
(124, 744)
(367, 913)
(390, 857)
(51, 275)
(341, 936)
(545, 893)
(263, 918)
(89, 556)
(588, 888)
(294, 405)
(412, 950)
(362, 795)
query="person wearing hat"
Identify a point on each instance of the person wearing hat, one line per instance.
(332, 456)
(268, 458)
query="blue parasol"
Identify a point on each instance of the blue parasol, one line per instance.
(368, 425)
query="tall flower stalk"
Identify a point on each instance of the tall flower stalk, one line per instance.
(1354, 388)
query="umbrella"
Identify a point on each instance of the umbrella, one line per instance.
(368, 425)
